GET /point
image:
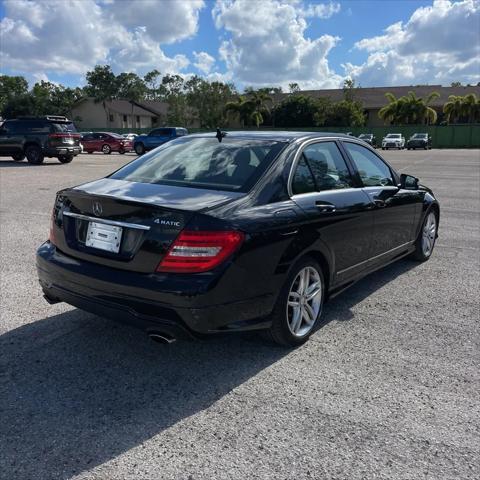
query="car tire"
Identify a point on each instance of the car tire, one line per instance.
(18, 157)
(106, 149)
(121, 151)
(427, 236)
(139, 149)
(65, 158)
(292, 325)
(89, 152)
(34, 154)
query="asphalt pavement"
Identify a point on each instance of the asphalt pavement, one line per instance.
(388, 388)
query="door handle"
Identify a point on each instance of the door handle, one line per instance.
(325, 207)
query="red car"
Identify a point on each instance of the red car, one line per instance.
(106, 142)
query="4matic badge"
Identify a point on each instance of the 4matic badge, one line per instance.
(167, 223)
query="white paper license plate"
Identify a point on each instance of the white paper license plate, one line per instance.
(104, 237)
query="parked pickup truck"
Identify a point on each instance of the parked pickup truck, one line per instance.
(157, 137)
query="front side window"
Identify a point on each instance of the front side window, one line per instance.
(372, 171)
(327, 168)
(203, 162)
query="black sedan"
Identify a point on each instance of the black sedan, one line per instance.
(419, 140)
(368, 138)
(239, 231)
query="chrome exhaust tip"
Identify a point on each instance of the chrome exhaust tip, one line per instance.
(164, 338)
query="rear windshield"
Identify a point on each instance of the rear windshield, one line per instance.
(115, 135)
(420, 135)
(64, 127)
(234, 164)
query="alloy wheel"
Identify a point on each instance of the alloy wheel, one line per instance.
(429, 233)
(304, 301)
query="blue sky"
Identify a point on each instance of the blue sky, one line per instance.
(248, 42)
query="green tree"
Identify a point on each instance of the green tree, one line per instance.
(299, 111)
(19, 105)
(242, 107)
(471, 107)
(172, 92)
(392, 112)
(259, 101)
(11, 87)
(130, 87)
(294, 87)
(152, 81)
(207, 100)
(416, 110)
(453, 108)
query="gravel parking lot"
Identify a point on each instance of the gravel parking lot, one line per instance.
(388, 388)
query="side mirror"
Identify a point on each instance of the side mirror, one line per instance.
(408, 182)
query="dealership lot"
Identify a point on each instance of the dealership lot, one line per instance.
(387, 388)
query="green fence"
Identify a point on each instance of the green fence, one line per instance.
(448, 136)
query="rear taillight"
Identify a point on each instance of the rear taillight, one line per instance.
(194, 252)
(64, 135)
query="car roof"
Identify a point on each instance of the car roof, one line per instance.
(281, 136)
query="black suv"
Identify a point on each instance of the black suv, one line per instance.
(39, 137)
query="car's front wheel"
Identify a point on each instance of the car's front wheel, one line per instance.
(139, 148)
(299, 304)
(34, 154)
(426, 239)
(18, 157)
(65, 158)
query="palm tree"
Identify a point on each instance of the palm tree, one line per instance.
(242, 107)
(418, 110)
(258, 100)
(392, 112)
(471, 107)
(454, 108)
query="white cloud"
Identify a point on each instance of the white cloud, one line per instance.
(322, 10)
(269, 46)
(438, 44)
(204, 62)
(47, 36)
(165, 21)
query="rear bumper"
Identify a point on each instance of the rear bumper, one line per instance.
(62, 150)
(137, 299)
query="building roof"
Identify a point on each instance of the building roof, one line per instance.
(374, 97)
(147, 108)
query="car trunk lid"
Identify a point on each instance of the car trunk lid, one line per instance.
(139, 221)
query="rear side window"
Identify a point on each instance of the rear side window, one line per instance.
(203, 162)
(64, 127)
(302, 178)
(327, 168)
(372, 171)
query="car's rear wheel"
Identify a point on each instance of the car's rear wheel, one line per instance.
(139, 148)
(426, 239)
(121, 151)
(106, 149)
(18, 157)
(299, 304)
(65, 158)
(34, 154)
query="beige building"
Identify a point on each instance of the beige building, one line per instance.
(118, 114)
